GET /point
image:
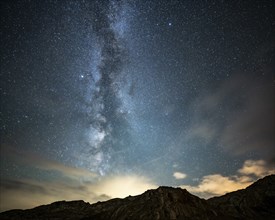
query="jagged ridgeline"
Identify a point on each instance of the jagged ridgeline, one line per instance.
(255, 202)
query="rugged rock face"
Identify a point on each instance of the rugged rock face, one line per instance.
(254, 202)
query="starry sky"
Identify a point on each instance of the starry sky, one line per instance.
(104, 99)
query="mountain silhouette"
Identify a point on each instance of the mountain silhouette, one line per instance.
(255, 202)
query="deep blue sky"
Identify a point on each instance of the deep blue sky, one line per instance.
(168, 91)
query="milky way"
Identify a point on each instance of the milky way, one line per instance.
(103, 112)
(95, 93)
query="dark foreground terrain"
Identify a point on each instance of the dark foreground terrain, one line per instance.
(255, 202)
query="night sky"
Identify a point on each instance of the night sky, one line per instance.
(104, 99)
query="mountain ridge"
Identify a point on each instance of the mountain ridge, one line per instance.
(254, 202)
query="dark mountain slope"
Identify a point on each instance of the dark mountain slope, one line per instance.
(162, 203)
(254, 202)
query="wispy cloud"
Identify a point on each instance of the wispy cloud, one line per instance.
(238, 115)
(37, 161)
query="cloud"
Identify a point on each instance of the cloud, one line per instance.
(217, 184)
(238, 115)
(201, 130)
(37, 161)
(27, 193)
(72, 184)
(259, 168)
(125, 185)
(179, 175)
(251, 127)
